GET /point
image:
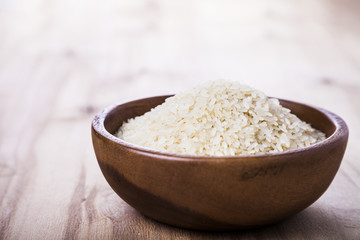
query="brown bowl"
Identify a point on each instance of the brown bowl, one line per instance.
(218, 193)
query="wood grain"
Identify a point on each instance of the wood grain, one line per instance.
(61, 62)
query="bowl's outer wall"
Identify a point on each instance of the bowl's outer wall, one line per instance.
(218, 193)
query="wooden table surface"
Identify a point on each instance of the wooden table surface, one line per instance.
(61, 62)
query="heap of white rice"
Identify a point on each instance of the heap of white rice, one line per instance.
(220, 118)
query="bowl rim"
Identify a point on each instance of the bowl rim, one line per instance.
(341, 129)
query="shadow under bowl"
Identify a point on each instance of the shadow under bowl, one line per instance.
(218, 193)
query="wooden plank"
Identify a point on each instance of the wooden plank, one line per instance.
(61, 62)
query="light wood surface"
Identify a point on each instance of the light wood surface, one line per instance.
(61, 62)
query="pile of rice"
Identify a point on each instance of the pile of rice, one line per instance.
(220, 118)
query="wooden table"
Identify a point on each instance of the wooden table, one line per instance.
(61, 62)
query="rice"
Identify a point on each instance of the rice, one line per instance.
(220, 118)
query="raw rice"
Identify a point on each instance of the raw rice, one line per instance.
(220, 118)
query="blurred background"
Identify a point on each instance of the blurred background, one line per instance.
(130, 49)
(61, 62)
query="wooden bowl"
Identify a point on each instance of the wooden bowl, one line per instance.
(218, 193)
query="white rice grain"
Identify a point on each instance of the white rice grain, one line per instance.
(220, 118)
